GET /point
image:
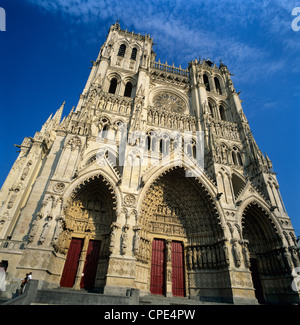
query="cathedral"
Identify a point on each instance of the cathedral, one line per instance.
(153, 181)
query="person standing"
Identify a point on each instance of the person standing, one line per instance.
(25, 281)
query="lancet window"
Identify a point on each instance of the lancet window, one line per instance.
(128, 89)
(122, 50)
(133, 53)
(206, 82)
(218, 86)
(222, 113)
(113, 86)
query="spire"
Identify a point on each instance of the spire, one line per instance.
(66, 120)
(58, 114)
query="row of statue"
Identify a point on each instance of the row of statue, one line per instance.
(171, 120)
(208, 257)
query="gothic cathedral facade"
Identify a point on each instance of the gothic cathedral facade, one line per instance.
(154, 181)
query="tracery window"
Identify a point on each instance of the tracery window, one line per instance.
(236, 157)
(151, 141)
(169, 101)
(164, 145)
(191, 149)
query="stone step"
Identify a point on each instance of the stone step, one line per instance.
(162, 300)
(78, 297)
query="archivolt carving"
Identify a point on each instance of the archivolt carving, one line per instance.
(178, 207)
(90, 212)
(98, 177)
(266, 244)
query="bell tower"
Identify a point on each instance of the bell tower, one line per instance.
(120, 68)
(229, 142)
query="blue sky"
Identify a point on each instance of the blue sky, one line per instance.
(46, 49)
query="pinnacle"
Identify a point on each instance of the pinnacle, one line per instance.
(58, 114)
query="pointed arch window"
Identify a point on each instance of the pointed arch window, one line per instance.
(234, 158)
(206, 82)
(151, 141)
(211, 110)
(104, 132)
(222, 113)
(128, 89)
(119, 130)
(113, 86)
(191, 149)
(239, 158)
(133, 53)
(218, 86)
(148, 142)
(164, 145)
(194, 151)
(122, 50)
(161, 145)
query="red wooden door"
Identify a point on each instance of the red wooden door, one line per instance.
(177, 269)
(157, 267)
(91, 264)
(71, 265)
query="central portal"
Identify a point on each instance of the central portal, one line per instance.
(180, 238)
(159, 268)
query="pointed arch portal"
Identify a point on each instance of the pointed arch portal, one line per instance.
(270, 261)
(180, 230)
(88, 218)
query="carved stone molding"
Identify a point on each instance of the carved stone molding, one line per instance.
(129, 200)
(58, 187)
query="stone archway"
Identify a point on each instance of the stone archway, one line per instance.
(85, 239)
(270, 260)
(178, 214)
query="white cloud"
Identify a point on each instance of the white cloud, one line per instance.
(185, 30)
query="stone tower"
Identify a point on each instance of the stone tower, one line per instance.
(154, 181)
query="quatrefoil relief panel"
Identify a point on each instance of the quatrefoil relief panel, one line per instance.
(169, 101)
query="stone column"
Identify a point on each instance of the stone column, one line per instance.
(81, 263)
(168, 257)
